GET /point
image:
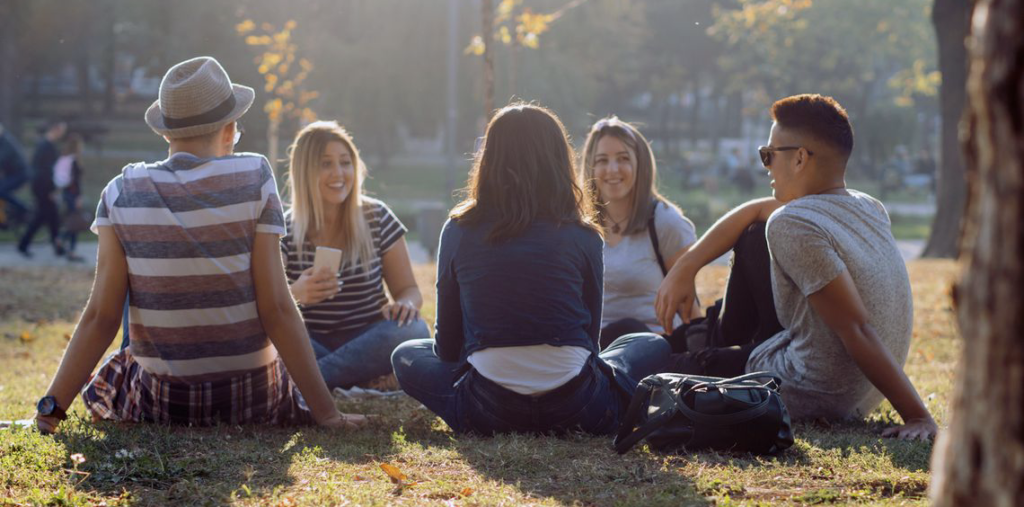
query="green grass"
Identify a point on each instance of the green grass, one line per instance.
(910, 227)
(156, 465)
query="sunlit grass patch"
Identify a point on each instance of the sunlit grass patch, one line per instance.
(831, 463)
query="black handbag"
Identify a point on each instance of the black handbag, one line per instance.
(674, 411)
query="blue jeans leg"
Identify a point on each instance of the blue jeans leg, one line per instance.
(427, 379)
(318, 350)
(635, 356)
(368, 355)
(125, 337)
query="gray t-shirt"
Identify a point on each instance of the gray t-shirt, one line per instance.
(631, 272)
(812, 240)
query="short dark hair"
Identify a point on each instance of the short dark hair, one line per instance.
(818, 116)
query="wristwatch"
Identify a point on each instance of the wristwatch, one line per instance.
(48, 407)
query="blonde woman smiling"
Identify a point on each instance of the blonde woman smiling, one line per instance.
(353, 325)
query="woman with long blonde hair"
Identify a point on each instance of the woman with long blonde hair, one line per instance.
(519, 291)
(352, 323)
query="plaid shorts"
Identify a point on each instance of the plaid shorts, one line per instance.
(121, 390)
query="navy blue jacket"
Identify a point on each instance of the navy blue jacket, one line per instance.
(542, 287)
(12, 162)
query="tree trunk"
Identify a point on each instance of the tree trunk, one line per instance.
(109, 58)
(487, 31)
(979, 460)
(11, 19)
(82, 71)
(951, 19)
(514, 54)
(695, 127)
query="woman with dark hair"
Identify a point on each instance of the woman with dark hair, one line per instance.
(519, 296)
(644, 232)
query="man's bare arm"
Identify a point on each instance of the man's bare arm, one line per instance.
(97, 327)
(283, 324)
(678, 292)
(841, 308)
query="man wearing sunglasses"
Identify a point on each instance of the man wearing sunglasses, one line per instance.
(818, 294)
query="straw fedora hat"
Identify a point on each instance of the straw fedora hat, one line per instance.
(197, 98)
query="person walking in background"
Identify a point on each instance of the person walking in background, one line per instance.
(43, 189)
(644, 232)
(352, 324)
(520, 280)
(13, 174)
(195, 239)
(67, 177)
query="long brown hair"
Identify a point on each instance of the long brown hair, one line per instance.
(645, 183)
(303, 191)
(525, 172)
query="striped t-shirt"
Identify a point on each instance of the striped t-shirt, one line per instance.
(361, 295)
(187, 226)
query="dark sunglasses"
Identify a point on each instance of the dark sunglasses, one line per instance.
(766, 152)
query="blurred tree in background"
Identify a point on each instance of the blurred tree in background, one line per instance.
(284, 76)
(696, 74)
(876, 57)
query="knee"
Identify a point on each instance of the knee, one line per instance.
(656, 344)
(405, 354)
(651, 343)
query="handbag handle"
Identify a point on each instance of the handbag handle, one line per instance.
(742, 416)
(627, 438)
(750, 376)
(729, 383)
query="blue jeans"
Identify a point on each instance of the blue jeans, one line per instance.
(591, 402)
(70, 206)
(363, 355)
(125, 338)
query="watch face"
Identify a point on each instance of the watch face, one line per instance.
(46, 405)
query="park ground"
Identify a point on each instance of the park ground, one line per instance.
(110, 464)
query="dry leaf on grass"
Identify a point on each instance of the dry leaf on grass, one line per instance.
(466, 491)
(394, 473)
(27, 336)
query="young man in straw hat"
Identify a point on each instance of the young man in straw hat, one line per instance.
(194, 239)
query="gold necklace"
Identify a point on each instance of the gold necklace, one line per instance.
(616, 224)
